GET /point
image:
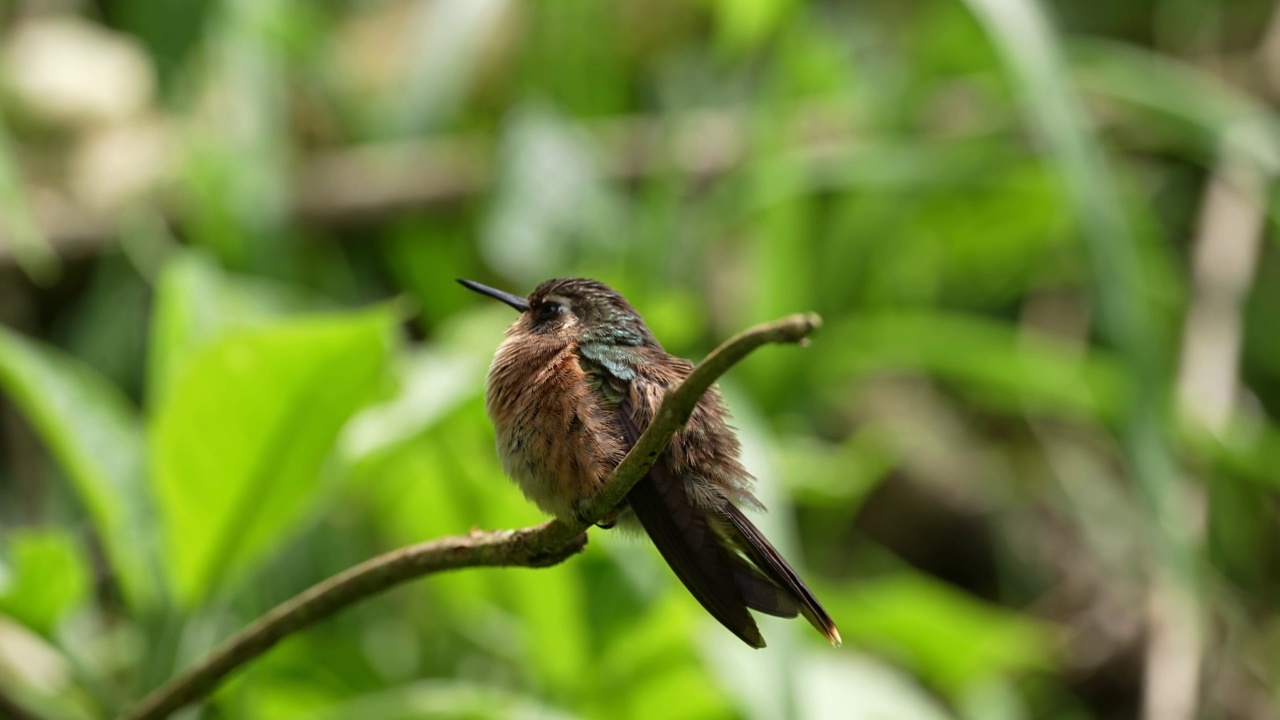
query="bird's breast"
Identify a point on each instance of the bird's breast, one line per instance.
(556, 440)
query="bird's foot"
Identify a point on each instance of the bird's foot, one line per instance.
(608, 521)
(604, 523)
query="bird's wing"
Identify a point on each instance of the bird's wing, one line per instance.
(764, 580)
(685, 536)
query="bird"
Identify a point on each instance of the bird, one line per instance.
(577, 379)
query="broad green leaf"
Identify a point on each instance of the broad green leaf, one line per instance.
(432, 384)
(413, 496)
(43, 576)
(196, 300)
(240, 437)
(96, 437)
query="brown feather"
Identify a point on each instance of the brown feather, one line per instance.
(554, 437)
(769, 561)
(683, 535)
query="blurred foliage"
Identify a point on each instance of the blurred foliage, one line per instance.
(216, 391)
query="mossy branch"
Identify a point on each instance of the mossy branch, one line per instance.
(540, 546)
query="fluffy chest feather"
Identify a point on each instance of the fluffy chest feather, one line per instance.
(557, 437)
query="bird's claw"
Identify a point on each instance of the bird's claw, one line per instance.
(605, 523)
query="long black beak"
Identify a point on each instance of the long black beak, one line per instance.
(514, 301)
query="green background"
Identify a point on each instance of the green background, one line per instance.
(1030, 463)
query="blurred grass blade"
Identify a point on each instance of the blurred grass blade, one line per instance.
(240, 437)
(19, 233)
(1033, 56)
(1182, 93)
(1174, 648)
(96, 437)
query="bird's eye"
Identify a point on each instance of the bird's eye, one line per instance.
(548, 309)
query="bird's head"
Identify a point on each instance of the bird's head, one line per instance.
(573, 309)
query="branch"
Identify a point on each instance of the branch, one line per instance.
(544, 545)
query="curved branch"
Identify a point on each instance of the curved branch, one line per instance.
(541, 546)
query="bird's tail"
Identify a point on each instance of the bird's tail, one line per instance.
(692, 547)
(770, 568)
(724, 560)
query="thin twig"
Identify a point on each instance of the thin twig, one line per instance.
(541, 546)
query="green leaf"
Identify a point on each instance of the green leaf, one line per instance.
(46, 576)
(196, 301)
(96, 437)
(240, 438)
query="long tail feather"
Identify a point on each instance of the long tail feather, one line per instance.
(770, 561)
(692, 548)
(724, 560)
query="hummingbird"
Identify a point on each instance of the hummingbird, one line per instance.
(572, 387)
